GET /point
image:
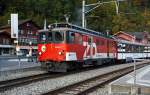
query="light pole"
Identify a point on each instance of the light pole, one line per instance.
(83, 13)
(96, 5)
(134, 76)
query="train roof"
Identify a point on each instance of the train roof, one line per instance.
(80, 29)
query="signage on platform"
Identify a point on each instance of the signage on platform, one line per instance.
(14, 25)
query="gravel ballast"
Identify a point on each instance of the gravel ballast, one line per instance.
(100, 91)
(50, 84)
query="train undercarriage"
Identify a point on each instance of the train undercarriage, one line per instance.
(73, 65)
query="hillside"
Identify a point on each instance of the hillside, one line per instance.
(134, 15)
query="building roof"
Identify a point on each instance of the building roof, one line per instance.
(139, 35)
(142, 78)
(20, 22)
(123, 33)
(1, 31)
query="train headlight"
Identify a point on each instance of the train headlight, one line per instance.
(43, 48)
(60, 53)
(40, 53)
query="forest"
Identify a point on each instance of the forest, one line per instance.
(133, 15)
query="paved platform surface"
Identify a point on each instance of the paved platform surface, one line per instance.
(13, 63)
(132, 83)
(142, 78)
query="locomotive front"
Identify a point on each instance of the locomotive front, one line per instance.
(51, 49)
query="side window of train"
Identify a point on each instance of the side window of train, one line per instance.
(79, 38)
(75, 38)
(71, 37)
(119, 46)
(89, 40)
(127, 49)
(136, 48)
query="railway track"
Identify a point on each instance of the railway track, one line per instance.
(9, 84)
(89, 85)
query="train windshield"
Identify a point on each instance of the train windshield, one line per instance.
(59, 36)
(42, 37)
(51, 37)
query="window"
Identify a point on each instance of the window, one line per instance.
(128, 48)
(36, 33)
(75, 38)
(50, 36)
(6, 41)
(3, 41)
(71, 37)
(89, 40)
(21, 32)
(78, 38)
(59, 36)
(6, 51)
(30, 32)
(42, 37)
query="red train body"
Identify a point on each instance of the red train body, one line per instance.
(66, 46)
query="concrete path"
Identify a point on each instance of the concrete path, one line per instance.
(13, 63)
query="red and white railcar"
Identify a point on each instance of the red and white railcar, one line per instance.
(66, 46)
(128, 51)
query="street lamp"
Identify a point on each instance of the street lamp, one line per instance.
(96, 6)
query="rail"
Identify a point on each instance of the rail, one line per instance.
(88, 85)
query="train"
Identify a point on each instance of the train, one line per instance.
(64, 46)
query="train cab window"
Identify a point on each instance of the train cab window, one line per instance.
(42, 37)
(59, 36)
(71, 37)
(49, 37)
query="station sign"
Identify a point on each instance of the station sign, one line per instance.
(14, 25)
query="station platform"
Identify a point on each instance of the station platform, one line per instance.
(13, 63)
(132, 83)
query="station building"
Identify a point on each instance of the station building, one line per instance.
(27, 38)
